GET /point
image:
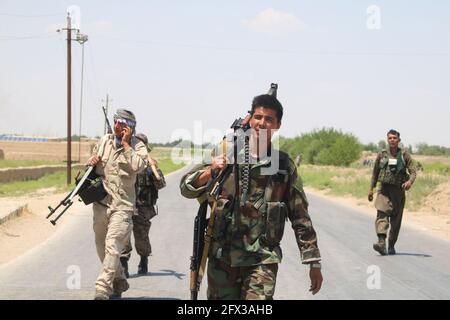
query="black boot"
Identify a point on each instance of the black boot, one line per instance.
(143, 265)
(391, 249)
(380, 246)
(124, 263)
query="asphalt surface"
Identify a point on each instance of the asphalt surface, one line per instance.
(66, 265)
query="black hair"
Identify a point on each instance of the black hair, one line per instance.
(267, 101)
(395, 132)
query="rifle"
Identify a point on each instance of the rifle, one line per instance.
(200, 223)
(107, 121)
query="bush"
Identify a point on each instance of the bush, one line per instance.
(433, 150)
(327, 146)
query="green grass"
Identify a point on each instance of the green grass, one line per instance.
(348, 182)
(423, 186)
(58, 181)
(356, 182)
(317, 178)
(167, 166)
(26, 163)
(20, 188)
(436, 167)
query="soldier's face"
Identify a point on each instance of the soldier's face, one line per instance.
(118, 128)
(264, 119)
(393, 140)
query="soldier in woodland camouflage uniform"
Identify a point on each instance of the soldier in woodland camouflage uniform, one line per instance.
(147, 186)
(396, 172)
(245, 246)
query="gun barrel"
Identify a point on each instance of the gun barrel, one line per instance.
(107, 121)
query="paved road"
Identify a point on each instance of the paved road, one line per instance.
(420, 270)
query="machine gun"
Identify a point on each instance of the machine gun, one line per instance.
(88, 187)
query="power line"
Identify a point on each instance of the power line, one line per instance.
(280, 51)
(31, 15)
(37, 36)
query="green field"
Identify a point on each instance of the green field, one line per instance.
(26, 163)
(57, 180)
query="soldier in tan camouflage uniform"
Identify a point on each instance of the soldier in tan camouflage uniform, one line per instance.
(396, 172)
(147, 185)
(123, 157)
(245, 245)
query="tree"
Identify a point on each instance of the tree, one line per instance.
(382, 145)
(326, 146)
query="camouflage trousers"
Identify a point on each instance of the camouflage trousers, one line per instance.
(389, 204)
(241, 283)
(112, 230)
(141, 229)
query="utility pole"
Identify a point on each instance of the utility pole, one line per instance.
(69, 99)
(81, 38)
(105, 131)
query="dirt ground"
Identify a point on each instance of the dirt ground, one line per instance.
(433, 219)
(20, 234)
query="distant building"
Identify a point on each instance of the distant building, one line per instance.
(14, 137)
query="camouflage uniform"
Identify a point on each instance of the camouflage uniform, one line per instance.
(390, 199)
(245, 247)
(113, 215)
(147, 187)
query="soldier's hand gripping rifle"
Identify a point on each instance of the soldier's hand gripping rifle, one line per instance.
(202, 238)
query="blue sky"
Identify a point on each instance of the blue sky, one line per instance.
(176, 62)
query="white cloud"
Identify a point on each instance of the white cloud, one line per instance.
(274, 22)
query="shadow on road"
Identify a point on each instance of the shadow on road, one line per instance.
(413, 254)
(423, 255)
(160, 274)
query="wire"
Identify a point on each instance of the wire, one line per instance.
(30, 15)
(37, 36)
(281, 51)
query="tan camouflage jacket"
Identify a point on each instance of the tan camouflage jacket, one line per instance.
(251, 235)
(118, 169)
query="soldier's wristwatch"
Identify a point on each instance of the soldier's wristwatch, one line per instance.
(316, 265)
